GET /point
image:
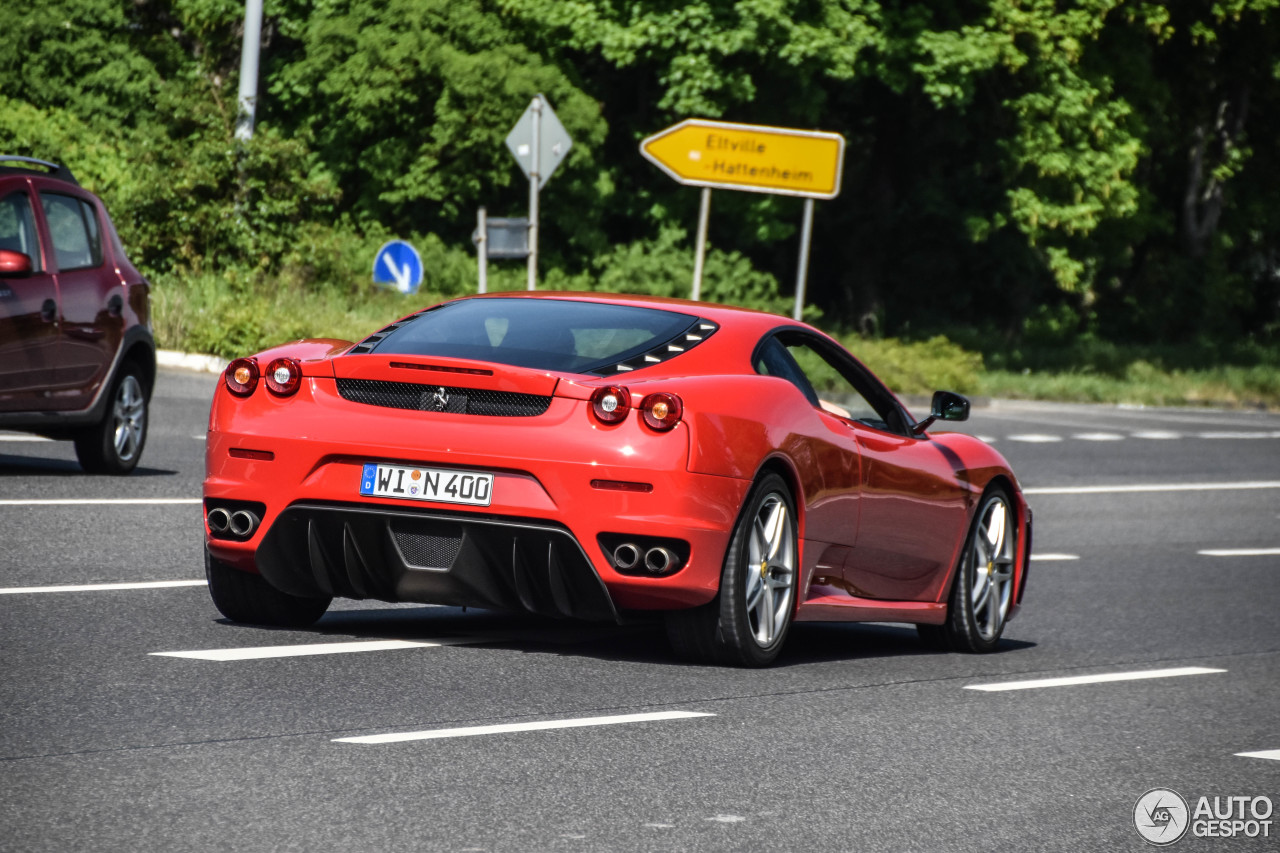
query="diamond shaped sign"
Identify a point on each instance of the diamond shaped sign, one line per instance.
(553, 143)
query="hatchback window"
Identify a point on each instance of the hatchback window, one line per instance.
(73, 226)
(545, 334)
(18, 228)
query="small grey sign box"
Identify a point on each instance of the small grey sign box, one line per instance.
(553, 145)
(507, 237)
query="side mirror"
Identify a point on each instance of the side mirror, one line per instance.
(947, 406)
(14, 264)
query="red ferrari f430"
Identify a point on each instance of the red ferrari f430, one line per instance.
(599, 457)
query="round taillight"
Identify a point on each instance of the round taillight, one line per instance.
(661, 411)
(610, 404)
(241, 376)
(284, 375)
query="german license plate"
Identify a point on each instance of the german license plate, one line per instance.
(426, 484)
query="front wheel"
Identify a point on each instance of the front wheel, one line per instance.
(748, 622)
(983, 588)
(247, 597)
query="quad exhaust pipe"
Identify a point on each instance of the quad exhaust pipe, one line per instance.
(657, 560)
(243, 523)
(626, 556)
(219, 521)
(225, 524)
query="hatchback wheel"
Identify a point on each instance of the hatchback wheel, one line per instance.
(114, 446)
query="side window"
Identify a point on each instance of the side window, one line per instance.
(830, 381)
(18, 227)
(773, 359)
(73, 226)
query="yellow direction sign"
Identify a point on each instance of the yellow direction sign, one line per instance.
(756, 158)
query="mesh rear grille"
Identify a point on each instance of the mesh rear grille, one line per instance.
(429, 550)
(442, 398)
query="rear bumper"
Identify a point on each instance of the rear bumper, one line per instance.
(442, 558)
(536, 547)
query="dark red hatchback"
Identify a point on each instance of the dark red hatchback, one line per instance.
(77, 358)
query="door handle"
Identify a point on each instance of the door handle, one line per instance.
(49, 311)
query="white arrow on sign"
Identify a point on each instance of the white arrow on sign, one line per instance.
(400, 274)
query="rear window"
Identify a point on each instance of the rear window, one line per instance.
(545, 334)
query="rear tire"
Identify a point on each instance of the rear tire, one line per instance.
(748, 621)
(114, 446)
(246, 597)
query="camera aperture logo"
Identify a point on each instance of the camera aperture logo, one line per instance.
(1161, 816)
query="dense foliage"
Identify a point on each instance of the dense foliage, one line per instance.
(1019, 173)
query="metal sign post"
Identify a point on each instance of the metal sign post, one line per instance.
(539, 142)
(755, 158)
(704, 213)
(534, 185)
(481, 238)
(802, 274)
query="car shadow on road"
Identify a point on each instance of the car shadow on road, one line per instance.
(642, 641)
(46, 467)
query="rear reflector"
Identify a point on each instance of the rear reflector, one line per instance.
(245, 453)
(621, 486)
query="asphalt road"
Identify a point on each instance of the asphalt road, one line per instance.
(859, 739)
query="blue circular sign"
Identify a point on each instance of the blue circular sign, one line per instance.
(399, 265)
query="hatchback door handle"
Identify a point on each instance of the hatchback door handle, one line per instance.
(49, 311)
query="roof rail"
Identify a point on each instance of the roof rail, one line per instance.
(54, 170)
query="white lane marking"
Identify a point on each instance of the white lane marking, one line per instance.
(1050, 558)
(101, 502)
(1156, 434)
(1237, 435)
(268, 652)
(98, 587)
(1035, 438)
(1098, 436)
(1094, 679)
(1240, 552)
(985, 439)
(1272, 754)
(471, 731)
(24, 438)
(1165, 487)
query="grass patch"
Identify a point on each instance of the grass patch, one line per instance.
(1255, 387)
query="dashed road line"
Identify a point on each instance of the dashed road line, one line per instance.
(1053, 558)
(1240, 552)
(1073, 680)
(1154, 487)
(101, 502)
(505, 728)
(1271, 754)
(98, 587)
(1098, 436)
(24, 438)
(1035, 438)
(303, 650)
